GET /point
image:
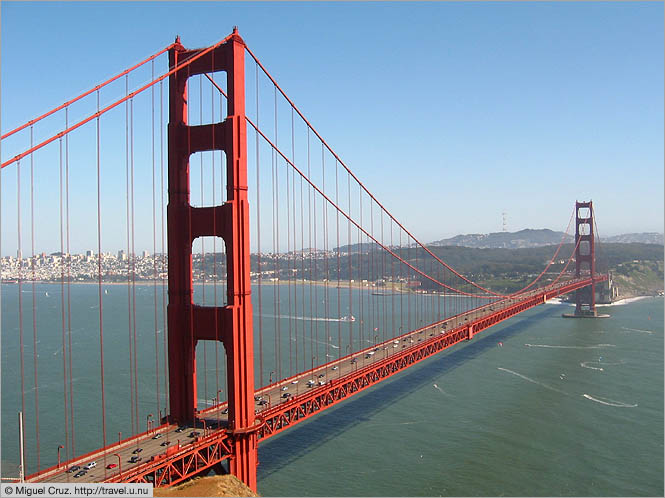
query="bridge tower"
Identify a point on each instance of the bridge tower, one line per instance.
(189, 323)
(585, 258)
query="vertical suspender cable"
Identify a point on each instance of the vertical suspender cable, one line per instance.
(127, 255)
(62, 304)
(258, 234)
(154, 239)
(99, 277)
(19, 257)
(361, 254)
(277, 261)
(34, 298)
(383, 279)
(133, 260)
(302, 269)
(203, 253)
(392, 281)
(192, 344)
(293, 255)
(215, 234)
(348, 241)
(163, 250)
(312, 269)
(288, 266)
(325, 255)
(339, 310)
(69, 295)
(274, 259)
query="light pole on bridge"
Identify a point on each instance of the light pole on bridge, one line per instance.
(59, 446)
(119, 463)
(217, 406)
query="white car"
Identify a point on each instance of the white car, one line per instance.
(294, 381)
(90, 465)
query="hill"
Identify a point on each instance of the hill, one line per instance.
(537, 238)
(225, 485)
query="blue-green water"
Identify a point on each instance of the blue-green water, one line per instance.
(563, 407)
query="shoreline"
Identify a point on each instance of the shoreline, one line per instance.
(385, 291)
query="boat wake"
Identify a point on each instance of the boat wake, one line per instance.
(637, 330)
(532, 380)
(609, 402)
(598, 365)
(597, 346)
(440, 390)
(311, 318)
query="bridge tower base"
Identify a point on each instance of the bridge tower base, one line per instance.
(585, 262)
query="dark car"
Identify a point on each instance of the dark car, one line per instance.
(181, 428)
(80, 473)
(165, 443)
(73, 468)
(135, 459)
(263, 402)
(194, 433)
(321, 376)
(225, 411)
(157, 436)
(286, 395)
(137, 450)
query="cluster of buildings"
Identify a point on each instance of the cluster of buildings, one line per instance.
(83, 267)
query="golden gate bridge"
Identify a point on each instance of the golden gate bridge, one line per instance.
(287, 227)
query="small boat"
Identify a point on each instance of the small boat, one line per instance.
(348, 318)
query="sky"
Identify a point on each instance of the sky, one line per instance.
(451, 113)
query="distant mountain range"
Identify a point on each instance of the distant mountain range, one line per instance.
(536, 238)
(628, 238)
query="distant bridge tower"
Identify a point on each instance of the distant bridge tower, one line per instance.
(585, 258)
(189, 323)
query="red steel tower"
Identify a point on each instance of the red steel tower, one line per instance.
(585, 258)
(189, 323)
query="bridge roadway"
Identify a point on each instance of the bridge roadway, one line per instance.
(215, 419)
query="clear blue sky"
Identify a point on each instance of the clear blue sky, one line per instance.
(479, 107)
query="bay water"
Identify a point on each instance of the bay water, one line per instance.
(538, 405)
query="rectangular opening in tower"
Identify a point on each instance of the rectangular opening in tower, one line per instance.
(207, 178)
(209, 271)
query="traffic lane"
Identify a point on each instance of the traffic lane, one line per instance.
(150, 447)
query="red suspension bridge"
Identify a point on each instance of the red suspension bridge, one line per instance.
(315, 293)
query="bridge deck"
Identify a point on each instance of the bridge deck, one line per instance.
(340, 378)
